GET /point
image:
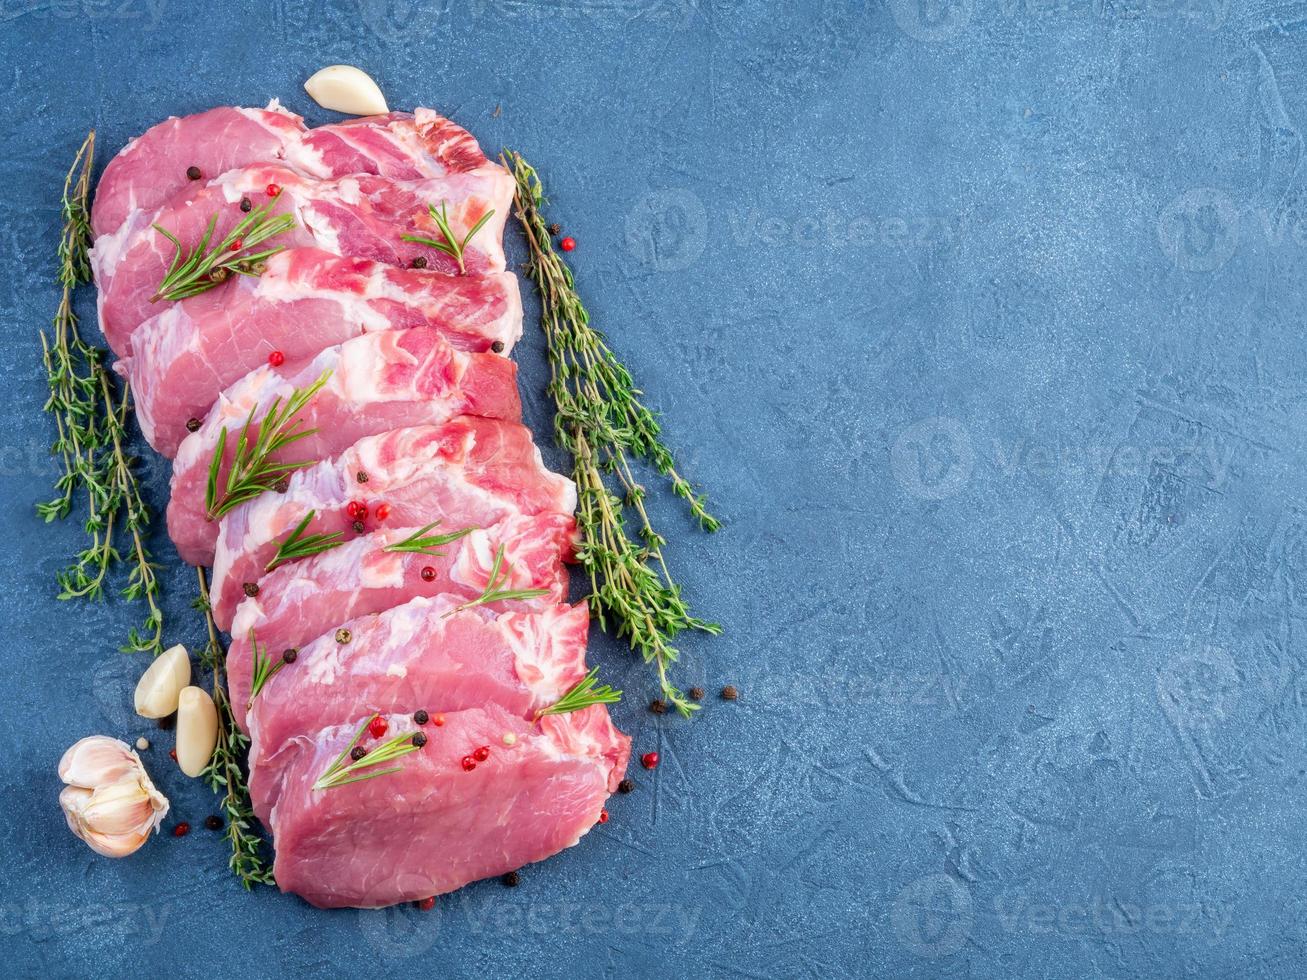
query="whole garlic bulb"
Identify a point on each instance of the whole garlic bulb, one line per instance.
(109, 801)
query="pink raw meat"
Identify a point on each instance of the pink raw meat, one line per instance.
(426, 654)
(305, 301)
(362, 216)
(375, 383)
(300, 602)
(433, 827)
(153, 167)
(468, 471)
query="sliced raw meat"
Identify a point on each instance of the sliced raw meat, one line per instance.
(300, 602)
(153, 167)
(305, 301)
(433, 826)
(425, 654)
(468, 471)
(362, 216)
(375, 383)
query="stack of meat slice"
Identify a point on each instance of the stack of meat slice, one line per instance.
(414, 420)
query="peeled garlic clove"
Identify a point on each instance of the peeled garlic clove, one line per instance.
(157, 690)
(344, 88)
(197, 730)
(96, 760)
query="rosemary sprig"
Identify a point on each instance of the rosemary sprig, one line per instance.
(424, 542)
(298, 545)
(346, 770)
(582, 695)
(224, 773)
(602, 421)
(265, 668)
(451, 245)
(90, 422)
(199, 269)
(253, 471)
(495, 591)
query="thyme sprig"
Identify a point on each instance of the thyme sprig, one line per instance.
(91, 435)
(224, 773)
(601, 420)
(424, 542)
(582, 695)
(253, 470)
(265, 668)
(198, 270)
(346, 770)
(451, 245)
(298, 545)
(495, 591)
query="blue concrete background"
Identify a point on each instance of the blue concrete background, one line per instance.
(980, 320)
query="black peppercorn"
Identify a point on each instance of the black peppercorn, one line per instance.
(290, 655)
(358, 527)
(419, 263)
(282, 485)
(343, 635)
(419, 739)
(251, 589)
(193, 173)
(246, 205)
(213, 823)
(192, 425)
(511, 879)
(696, 694)
(168, 722)
(729, 693)
(358, 752)
(626, 785)
(362, 477)
(658, 706)
(421, 717)
(554, 229)
(497, 347)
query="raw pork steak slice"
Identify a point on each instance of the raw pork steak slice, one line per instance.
(363, 216)
(306, 300)
(300, 602)
(152, 168)
(425, 654)
(468, 471)
(433, 827)
(375, 383)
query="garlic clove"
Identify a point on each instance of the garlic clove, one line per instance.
(96, 760)
(115, 818)
(157, 690)
(197, 730)
(344, 88)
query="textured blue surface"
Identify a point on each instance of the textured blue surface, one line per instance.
(981, 321)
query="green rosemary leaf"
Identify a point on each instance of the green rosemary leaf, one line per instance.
(345, 770)
(298, 545)
(451, 245)
(582, 695)
(264, 668)
(495, 591)
(425, 542)
(200, 269)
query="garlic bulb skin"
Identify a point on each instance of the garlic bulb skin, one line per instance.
(109, 801)
(162, 682)
(344, 88)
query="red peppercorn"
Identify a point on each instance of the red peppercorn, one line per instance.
(567, 244)
(237, 245)
(172, 754)
(357, 510)
(482, 754)
(377, 727)
(427, 904)
(276, 358)
(649, 760)
(182, 829)
(603, 816)
(273, 190)
(438, 721)
(468, 763)
(428, 573)
(383, 511)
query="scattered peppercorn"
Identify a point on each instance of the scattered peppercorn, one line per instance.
(482, 753)
(555, 228)
(362, 477)
(729, 693)
(237, 245)
(567, 244)
(696, 694)
(192, 425)
(172, 754)
(497, 347)
(358, 752)
(358, 527)
(658, 706)
(420, 717)
(168, 722)
(626, 785)
(246, 205)
(343, 635)
(383, 511)
(511, 880)
(193, 173)
(427, 904)
(273, 190)
(250, 589)
(378, 726)
(282, 485)
(290, 655)
(356, 510)
(420, 262)
(428, 573)
(213, 822)
(438, 720)
(603, 816)
(468, 763)
(276, 358)
(182, 829)
(419, 739)
(649, 760)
